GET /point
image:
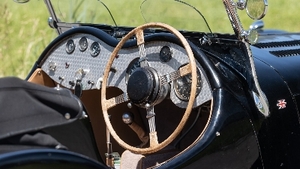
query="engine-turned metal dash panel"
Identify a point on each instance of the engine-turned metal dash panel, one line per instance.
(83, 58)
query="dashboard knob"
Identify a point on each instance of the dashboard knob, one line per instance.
(52, 66)
(127, 118)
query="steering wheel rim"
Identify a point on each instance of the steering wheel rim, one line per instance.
(154, 147)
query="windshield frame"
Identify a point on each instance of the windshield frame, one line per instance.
(61, 25)
(229, 5)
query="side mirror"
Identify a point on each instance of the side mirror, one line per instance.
(256, 9)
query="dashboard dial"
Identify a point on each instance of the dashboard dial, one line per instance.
(83, 44)
(165, 54)
(95, 49)
(182, 86)
(70, 46)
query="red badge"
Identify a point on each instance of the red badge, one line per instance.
(281, 104)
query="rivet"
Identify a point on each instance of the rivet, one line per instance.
(147, 105)
(129, 105)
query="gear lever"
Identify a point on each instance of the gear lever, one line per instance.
(128, 119)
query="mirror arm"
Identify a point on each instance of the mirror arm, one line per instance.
(52, 13)
(230, 7)
(245, 38)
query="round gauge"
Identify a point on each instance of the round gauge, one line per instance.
(165, 54)
(70, 46)
(83, 44)
(95, 49)
(182, 86)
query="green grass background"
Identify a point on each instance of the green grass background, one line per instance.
(24, 31)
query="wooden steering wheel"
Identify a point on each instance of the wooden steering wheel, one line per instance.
(147, 95)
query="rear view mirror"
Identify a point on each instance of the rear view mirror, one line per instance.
(256, 9)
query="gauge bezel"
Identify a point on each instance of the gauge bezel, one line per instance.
(165, 54)
(185, 96)
(81, 43)
(98, 49)
(70, 46)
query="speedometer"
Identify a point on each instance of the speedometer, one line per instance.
(182, 86)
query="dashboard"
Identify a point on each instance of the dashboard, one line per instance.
(82, 58)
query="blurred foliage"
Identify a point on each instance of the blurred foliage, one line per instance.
(24, 31)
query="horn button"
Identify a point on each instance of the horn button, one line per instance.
(143, 86)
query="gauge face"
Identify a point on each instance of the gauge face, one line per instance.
(70, 46)
(95, 49)
(83, 44)
(182, 86)
(165, 54)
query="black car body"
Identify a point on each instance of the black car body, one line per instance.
(155, 97)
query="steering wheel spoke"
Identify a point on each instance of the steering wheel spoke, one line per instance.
(114, 101)
(152, 126)
(143, 58)
(153, 139)
(184, 70)
(139, 34)
(151, 118)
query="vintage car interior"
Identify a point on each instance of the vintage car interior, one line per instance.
(155, 96)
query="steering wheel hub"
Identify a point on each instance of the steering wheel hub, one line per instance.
(143, 86)
(140, 85)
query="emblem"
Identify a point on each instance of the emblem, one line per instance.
(281, 104)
